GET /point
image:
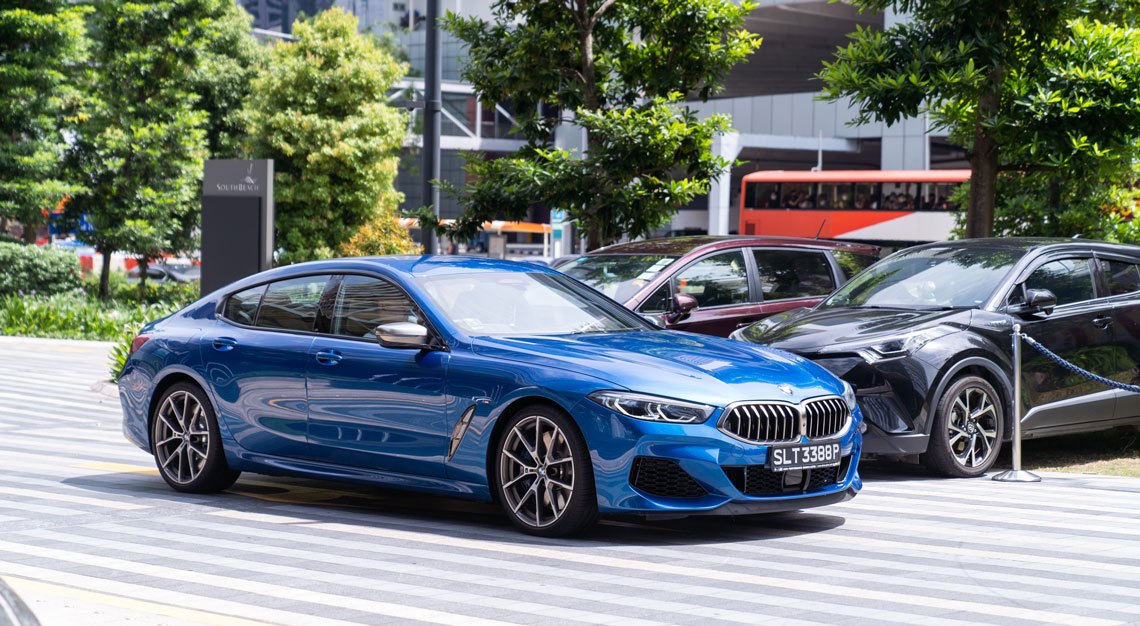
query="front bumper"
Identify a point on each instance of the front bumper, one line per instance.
(711, 473)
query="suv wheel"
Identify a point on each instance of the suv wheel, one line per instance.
(967, 432)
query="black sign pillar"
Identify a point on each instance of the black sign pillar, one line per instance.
(237, 221)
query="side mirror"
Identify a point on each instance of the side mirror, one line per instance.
(683, 304)
(1036, 301)
(403, 335)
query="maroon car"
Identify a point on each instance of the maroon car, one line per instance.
(714, 285)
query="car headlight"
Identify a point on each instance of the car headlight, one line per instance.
(652, 408)
(849, 396)
(904, 346)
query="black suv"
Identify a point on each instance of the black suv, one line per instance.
(925, 337)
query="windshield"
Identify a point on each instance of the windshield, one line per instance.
(619, 276)
(940, 277)
(526, 304)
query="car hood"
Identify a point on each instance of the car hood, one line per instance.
(700, 368)
(820, 331)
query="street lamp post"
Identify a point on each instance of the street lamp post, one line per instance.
(432, 103)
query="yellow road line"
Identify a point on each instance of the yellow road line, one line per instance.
(119, 467)
(24, 585)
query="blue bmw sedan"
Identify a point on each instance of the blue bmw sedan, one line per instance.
(483, 379)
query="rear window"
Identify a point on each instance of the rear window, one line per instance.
(292, 304)
(241, 307)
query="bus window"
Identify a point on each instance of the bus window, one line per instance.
(798, 196)
(940, 194)
(763, 196)
(834, 196)
(901, 196)
(866, 196)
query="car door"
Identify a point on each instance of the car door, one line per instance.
(255, 361)
(790, 278)
(1078, 330)
(720, 282)
(372, 406)
(1122, 286)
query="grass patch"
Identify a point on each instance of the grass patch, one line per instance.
(1113, 452)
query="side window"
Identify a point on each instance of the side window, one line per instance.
(1069, 279)
(291, 304)
(852, 262)
(241, 307)
(1122, 277)
(793, 274)
(363, 303)
(658, 302)
(717, 280)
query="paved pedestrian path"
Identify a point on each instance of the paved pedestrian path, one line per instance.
(89, 534)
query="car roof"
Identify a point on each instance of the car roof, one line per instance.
(1027, 244)
(684, 245)
(420, 265)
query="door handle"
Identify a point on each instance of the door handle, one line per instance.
(328, 357)
(223, 344)
(1102, 322)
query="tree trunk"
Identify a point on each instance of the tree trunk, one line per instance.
(984, 161)
(593, 237)
(105, 275)
(3, 226)
(29, 234)
(144, 264)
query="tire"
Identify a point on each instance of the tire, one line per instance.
(969, 421)
(543, 475)
(179, 456)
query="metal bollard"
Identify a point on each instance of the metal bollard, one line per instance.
(1017, 475)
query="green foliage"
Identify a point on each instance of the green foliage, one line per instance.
(1024, 84)
(383, 235)
(117, 357)
(120, 291)
(223, 79)
(1049, 204)
(623, 67)
(626, 186)
(41, 44)
(140, 149)
(318, 109)
(34, 269)
(73, 316)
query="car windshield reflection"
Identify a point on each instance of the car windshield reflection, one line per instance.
(929, 278)
(505, 304)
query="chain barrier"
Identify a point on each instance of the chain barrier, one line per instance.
(1108, 382)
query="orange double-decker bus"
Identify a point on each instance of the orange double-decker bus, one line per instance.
(882, 206)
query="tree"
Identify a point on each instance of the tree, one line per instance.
(42, 43)
(223, 79)
(318, 109)
(140, 149)
(623, 68)
(1024, 85)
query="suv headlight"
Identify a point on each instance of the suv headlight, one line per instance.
(904, 346)
(849, 396)
(653, 408)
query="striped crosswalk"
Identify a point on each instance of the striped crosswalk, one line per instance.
(89, 534)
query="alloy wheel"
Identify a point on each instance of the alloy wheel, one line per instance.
(972, 427)
(182, 437)
(536, 470)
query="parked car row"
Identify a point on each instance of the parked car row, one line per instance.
(516, 383)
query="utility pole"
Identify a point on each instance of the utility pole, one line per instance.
(433, 67)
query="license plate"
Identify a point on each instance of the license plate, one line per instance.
(803, 456)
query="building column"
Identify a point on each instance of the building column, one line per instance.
(726, 146)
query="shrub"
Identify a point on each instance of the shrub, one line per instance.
(117, 358)
(34, 269)
(380, 236)
(121, 291)
(71, 316)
